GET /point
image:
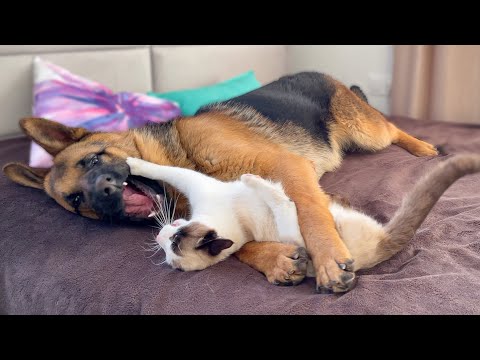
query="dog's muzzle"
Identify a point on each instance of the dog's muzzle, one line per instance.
(105, 189)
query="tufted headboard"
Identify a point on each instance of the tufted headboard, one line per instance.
(137, 68)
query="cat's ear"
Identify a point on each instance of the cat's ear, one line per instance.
(214, 244)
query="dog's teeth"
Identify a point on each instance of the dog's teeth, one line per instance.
(152, 214)
(125, 183)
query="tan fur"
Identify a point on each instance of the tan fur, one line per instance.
(289, 136)
(276, 260)
(26, 175)
(63, 179)
(358, 125)
(55, 137)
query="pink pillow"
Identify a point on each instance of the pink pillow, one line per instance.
(72, 100)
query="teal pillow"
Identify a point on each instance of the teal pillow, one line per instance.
(190, 100)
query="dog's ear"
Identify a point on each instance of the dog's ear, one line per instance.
(50, 135)
(214, 244)
(25, 175)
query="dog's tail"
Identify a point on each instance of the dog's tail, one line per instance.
(357, 91)
(418, 203)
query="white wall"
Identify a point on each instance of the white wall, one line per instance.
(368, 66)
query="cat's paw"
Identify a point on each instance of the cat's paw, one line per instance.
(137, 166)
(258, 183)
(250, 179)
(272, 193)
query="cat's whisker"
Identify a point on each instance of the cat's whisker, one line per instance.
(161, 207)
(160, 263)
(155, 253)
(159, 225)
(167, 208)
(145, 249)
(156, 248)
(164, 215)
(153, 244)
(151, 247)
(155, 229)
(170, 208)
(159, 219)
(175, 205)
(160, 215)
(160, 222)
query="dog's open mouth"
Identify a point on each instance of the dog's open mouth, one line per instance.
(141, 197)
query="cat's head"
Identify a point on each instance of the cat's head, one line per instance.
(192, 245)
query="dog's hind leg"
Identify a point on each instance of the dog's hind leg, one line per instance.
(359, 125)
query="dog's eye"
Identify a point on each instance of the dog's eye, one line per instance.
(91, 160)
(94, 160)
(76, 201)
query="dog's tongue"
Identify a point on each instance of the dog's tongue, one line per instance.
(136, 202)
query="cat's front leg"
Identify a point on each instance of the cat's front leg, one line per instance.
(188, 182)
(143, 168)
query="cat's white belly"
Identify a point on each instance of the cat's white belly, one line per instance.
(360, 233)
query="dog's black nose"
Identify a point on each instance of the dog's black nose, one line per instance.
(107, 185)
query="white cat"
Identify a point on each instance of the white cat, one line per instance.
(226, 215)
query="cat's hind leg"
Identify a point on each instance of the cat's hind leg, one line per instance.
(271, 193)
(283, 209)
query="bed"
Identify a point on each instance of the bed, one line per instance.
(55, 262)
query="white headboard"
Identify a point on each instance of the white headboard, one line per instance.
(137, 68)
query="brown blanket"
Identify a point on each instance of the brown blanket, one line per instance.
(55, 262)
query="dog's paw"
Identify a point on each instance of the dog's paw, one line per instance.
(335, 275)
(289, 268)
(420, 148)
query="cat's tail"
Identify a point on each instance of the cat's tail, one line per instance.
(418, 203)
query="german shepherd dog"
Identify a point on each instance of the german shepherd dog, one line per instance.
(291, 130)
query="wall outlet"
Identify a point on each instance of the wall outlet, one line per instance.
(379, 84)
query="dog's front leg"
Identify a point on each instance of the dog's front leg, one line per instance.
(331, 259)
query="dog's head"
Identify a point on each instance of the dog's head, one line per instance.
(89, 176)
